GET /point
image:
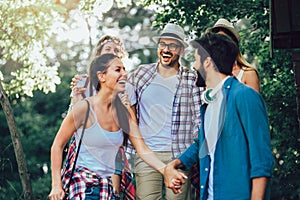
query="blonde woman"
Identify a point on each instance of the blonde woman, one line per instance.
(242, 70)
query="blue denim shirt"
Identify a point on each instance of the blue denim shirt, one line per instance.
(243, 149)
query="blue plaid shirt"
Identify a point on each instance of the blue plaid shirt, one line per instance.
(186, 104)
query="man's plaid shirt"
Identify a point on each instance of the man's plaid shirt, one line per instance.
(186, 103)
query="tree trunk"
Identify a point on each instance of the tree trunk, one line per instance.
(22, 167)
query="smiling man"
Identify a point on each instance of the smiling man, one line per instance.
(167, 102)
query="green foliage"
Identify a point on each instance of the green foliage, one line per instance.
(23, 37)
(134, 22)
(276, 74)
(8, 168)
(280, 93)
(38, 120)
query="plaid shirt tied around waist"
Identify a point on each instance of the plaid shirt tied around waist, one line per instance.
(84, 177)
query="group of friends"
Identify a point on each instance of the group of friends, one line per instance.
(203, 126)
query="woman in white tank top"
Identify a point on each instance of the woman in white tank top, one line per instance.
(246, 74)
(110, 119)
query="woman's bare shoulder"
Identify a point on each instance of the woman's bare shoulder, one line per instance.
(80, 106)
(251, 79)
(249, 69)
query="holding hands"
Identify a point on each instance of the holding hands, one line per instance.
(172, 177)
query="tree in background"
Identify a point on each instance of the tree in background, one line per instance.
(276, 73)
(24, 31)
(31, 50)
(37, 119)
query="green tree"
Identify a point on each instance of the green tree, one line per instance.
(38, 117)
(25, 41)
(276, 73)
(23, 35)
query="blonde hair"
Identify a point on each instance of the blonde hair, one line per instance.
(244, 64)
(241, 61)
(107, 38)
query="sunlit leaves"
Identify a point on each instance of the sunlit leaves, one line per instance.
(24, 33)
(24, 24)
(34, 77)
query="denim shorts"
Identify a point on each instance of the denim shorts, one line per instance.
(92, 193)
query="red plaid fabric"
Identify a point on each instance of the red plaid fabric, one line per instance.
(70, 158)
(127, 186)
(83, 177)
(195, 180)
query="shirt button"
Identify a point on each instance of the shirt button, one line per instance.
(206, 169)
(201, 186)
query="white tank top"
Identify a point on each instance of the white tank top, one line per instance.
(240, 75)
(98, 148)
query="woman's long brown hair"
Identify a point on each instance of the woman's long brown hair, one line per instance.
(101, 63)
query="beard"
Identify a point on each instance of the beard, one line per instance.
(174, 61)
(201, 76)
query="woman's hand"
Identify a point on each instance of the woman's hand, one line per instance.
(77, 78)
(125, 101)
(127, 104)
(57, 193)
(116, 182)
(172, 177)
(78, 91)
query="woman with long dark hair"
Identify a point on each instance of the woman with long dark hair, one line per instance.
(110, 123)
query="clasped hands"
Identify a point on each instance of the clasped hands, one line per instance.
(173, 178)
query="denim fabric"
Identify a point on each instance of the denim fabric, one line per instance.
(243, 149)
(92, 192)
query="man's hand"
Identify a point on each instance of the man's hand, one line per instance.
(172, 177)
